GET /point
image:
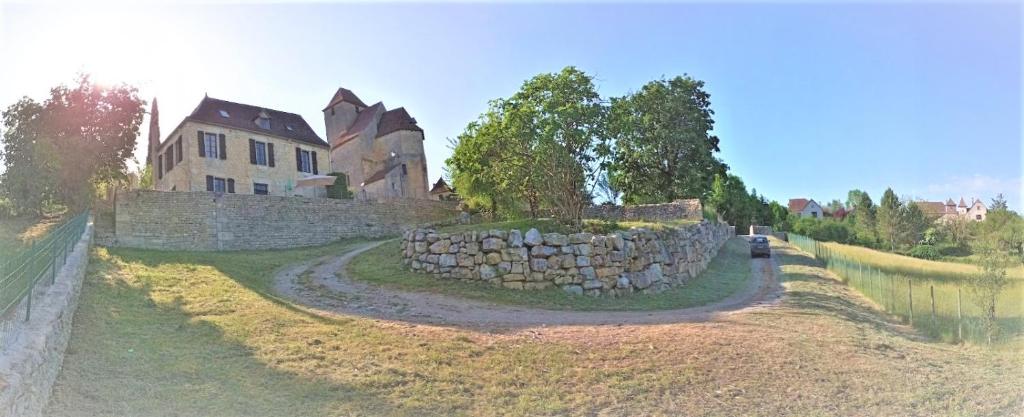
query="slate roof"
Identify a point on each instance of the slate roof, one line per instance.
(243, 116)
(395, 120)
(346, 95)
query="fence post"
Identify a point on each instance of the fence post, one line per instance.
(931, 288)
(28, 303)
(910, 299)
(53, 266)
(959, 316)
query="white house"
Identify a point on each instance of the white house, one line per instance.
(802, 207)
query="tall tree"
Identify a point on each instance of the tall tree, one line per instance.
(999, 203)
(888, 218)
(854, 197)
(663, 149)
(80, 136)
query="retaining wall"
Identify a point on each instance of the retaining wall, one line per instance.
(620, 263)
(211, 221)
(31, 363)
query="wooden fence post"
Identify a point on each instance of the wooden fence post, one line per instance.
(931, 288)
(959, 316)
(910, 299)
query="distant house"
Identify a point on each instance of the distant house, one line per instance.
(949, 210)
(840, 214)
(441, 191)
(802, 207)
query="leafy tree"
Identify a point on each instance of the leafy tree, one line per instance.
(663, 147)
(58, 150)
(999, 203)
(781, 219)
(988, 285)
(913, 222)
(888, 218)
(1002, 230)
(146, 177)
(835, 205)
(856, 197)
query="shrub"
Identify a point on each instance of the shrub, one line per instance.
(925, 252)
(340, 188)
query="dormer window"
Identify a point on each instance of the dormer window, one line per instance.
(225, 114)
(263, 120)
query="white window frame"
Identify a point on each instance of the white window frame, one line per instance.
(260, 147)
(223, 182)
(307, 161)
(211, 145)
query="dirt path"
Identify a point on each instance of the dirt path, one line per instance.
(323, 285)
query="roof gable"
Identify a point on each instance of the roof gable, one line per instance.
(395, 120)
(344, 95)
(243, 116)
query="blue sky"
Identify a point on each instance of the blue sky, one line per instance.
(811, 100)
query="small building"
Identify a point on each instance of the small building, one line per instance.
(802, 207)
(949, 210)
(441, 191)
(230, 147)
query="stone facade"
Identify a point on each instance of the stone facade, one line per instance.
(213, 221)
(620, 263)
(30, 365)
(677, 210)
(190, 174)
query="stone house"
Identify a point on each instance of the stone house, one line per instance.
(949, 210)
(238, 148)
(380, 151)
(802, 207)
(441, 191)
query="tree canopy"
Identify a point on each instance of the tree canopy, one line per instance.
(59, 149)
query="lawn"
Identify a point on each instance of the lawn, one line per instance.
(726, 274)
(186, 333)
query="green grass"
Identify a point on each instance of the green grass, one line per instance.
(912, 266)
(726, 274)
(199, 334)
(551, 226)
(16, 233)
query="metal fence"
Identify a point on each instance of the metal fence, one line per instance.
(943, 307)
(36, 265)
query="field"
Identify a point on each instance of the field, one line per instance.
(183, 333)
(912, 266)
(726, 274)
(906, 287)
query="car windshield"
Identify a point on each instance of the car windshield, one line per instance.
(760, 240)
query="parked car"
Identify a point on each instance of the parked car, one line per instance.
(759, 247)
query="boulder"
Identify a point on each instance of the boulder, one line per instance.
(533, 238)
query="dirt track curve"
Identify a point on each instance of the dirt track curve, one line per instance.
(323, 285)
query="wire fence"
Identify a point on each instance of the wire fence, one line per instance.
(942, 308)
(32, 270)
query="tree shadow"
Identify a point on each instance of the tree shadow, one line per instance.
(132, 355)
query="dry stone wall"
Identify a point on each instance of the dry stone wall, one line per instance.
(681, 209)
(211, 221)
(620, 263)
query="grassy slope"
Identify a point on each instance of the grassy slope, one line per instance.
(17, 232)
(727, 273)
(177, 333)
(912, 266)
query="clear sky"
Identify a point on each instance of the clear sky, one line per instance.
(811, 100)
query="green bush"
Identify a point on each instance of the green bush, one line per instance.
(925, 252)
(340, 188)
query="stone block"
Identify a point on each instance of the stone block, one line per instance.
(515, 285)
(440, 246)
(556, 239)
(573, 289)
(492, 244)
(515, 239)
(448, 260)
(538, 264)
(533, 238)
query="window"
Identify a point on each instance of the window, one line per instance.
(304, 162)
(977, 217)
(261, 153)
(263, 122)
(405, 170)
(814, 214)
(220, 185)
(259, 189)
(159, 167)
(177, 148)
(169, 163)
(224, 114)
(210, 145)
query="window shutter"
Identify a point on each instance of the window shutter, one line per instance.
(202, 146)
(312, 157)
(159, 167)
(178, 145)
(252, 151)
(270, 154)
(231, 185)
(223, 147)
(298, 159)
(209, 183)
